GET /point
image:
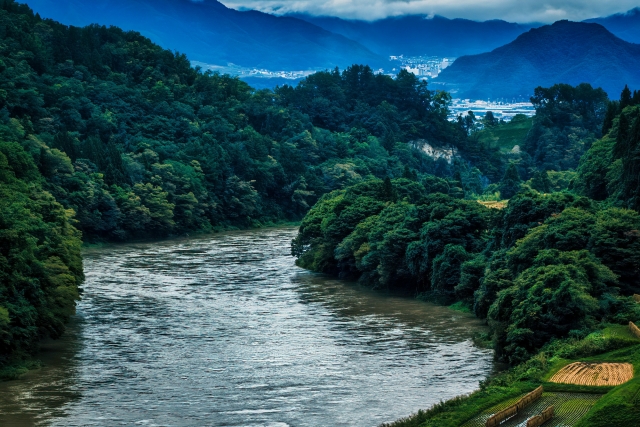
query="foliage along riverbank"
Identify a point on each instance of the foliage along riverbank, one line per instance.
(616, 407)
(105, 133)
(123, 140)
(547, 272)
(40, 261)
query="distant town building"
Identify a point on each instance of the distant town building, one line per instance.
(422, 66)
(502, 110)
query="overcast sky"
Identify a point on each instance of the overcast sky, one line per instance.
(480, 10)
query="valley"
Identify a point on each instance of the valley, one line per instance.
(260, 216)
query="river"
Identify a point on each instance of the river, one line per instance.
(225, 330)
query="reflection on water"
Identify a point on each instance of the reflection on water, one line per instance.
(227, 331)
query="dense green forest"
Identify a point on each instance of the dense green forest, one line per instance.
(105, 136)
(552, 270)
(551, 264)
(132, 142)
(40, 262)
(139, 144)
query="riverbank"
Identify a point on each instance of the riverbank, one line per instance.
(616, 407)
(14, 370)
(21, 364)
(227, 328)
(195, 233)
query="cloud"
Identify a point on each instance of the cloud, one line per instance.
(509, 10)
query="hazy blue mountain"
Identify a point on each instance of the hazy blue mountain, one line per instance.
(624, 25)
(414, 35)
(210, 32)
(565, 52)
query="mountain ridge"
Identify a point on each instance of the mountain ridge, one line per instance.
(406, 34)
(624, 25)
(564, 52)
(212, 33)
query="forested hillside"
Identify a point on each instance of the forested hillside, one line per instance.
(209, 32)
(553, 270)
(105, 132)
(40, 262)
(545, 265)
(138, 143)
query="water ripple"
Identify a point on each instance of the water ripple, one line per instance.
(227, 331)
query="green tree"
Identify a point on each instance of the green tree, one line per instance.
(489, 120)
(626, 98)
(447, 268)
(510, 183)
(40, 261)
(549, 300)
(541, 182)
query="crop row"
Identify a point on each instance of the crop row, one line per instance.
(569, 409)
(594, 374)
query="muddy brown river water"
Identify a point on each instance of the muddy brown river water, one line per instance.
(225, 330)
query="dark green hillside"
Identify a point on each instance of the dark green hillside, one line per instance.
(138, 143)
(565, 52)
(212, 33)
(552, 271)
(610, 170)
(568, 120)
(40, 262)
(507, 135)
(104, 132)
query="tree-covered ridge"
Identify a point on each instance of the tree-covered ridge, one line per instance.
(568, 120)
(104, 132)
(40, 262)
(610, 170)
(138, 143)
(549, 265)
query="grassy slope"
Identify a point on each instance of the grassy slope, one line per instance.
(508, 135)
(619, 407)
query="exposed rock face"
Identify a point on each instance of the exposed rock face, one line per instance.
(448, 153)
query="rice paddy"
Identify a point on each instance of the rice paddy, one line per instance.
(494, 204)
(569, 409)
(594, 374)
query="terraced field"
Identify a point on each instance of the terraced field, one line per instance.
(594, 374)
(569, 408)
(494, 205)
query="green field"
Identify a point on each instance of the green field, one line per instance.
(507, 135)
(569, 409)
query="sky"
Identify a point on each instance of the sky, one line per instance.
(522, 11)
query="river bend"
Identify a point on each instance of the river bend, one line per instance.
(225, 330)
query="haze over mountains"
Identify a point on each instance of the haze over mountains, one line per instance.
(517, 61)
(624, 25)
(209, 32)
(416, 35)
(565, 52)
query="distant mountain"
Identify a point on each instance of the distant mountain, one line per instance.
(624, 25)
(414, 35)
(209, 32)
(565, 52)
